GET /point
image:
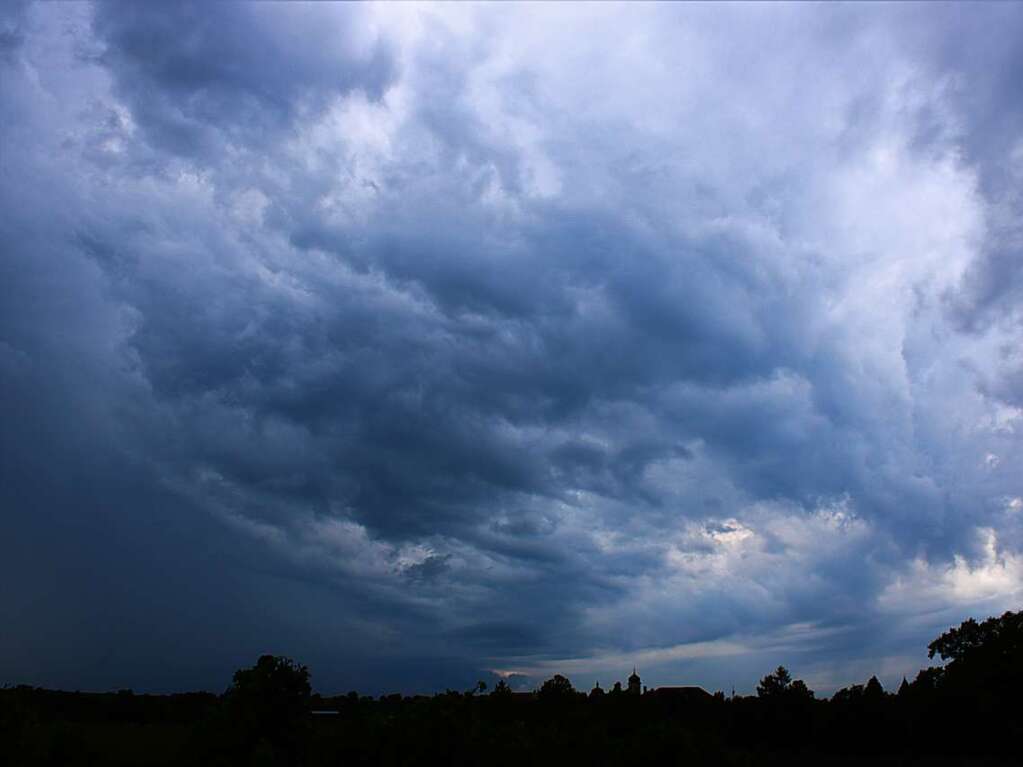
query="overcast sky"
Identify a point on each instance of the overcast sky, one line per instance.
(429, 343)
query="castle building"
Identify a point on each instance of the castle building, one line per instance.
(687, 695)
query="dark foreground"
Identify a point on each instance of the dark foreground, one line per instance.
(965, 713)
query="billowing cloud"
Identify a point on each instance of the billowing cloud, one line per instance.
(421, 342)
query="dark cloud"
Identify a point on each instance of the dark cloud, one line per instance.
(985, 83)
(202, 79)
(412, 344)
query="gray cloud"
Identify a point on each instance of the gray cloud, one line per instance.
(203, 80)
(422, 342)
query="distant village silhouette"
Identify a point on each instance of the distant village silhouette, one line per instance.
(964, 712)
(634, 688)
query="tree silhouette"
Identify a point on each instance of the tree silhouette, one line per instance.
(268, 705)
(799, 691)
(873, 691)
(557, 687)
(276, 687)
(851, 694)
(774, 685)
(995, 641)
(779, 686)
(928, 679)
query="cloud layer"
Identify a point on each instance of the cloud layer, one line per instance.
(424, 342)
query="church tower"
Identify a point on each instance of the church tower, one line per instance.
(634, 683)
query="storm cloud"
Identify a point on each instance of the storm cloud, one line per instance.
(423, 343)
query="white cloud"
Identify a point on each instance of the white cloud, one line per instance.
(989, 583)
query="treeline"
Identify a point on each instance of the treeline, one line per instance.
(962, 713)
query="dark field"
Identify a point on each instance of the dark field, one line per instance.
(460, 729)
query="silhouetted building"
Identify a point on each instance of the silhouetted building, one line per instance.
(635, 687)
(682, 695)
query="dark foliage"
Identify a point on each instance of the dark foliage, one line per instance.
(779, 686)
(963, 713)
(557, 690)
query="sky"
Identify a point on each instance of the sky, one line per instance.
(433, 343)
